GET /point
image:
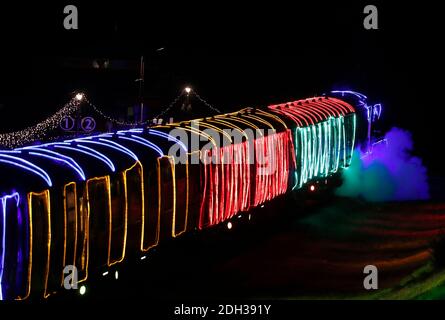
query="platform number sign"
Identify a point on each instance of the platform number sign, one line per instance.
(88, 124)
(67, 123)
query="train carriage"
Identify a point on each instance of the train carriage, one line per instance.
(94, 201)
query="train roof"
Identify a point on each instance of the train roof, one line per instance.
(38, 167)
(42, 166)
(312, 110)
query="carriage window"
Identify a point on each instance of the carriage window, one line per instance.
(119, 216)
(135, 202)
(181, 177)
(41, 239)
(71, 223)
(99, 218)
(82, 237)
(15, 268)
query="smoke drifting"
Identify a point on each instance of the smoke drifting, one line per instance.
(390, 172)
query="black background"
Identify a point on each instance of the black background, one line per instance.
(233, 54)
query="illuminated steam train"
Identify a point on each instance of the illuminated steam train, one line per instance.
(94, 201)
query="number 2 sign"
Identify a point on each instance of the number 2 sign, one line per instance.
(88, 124)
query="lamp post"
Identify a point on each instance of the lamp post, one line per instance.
(141, 86)
(186, 107)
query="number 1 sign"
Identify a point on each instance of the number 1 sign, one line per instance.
(88, 124)
(67, 123)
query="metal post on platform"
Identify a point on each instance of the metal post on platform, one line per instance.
(141, 87)
(187, 106)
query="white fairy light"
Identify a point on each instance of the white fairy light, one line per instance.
(79, 96)
(40, 130)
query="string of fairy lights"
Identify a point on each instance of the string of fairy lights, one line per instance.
(170, 106)
(40, 131)
(205, 102)
(189, 92)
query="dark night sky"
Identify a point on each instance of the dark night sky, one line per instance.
(232, 55)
